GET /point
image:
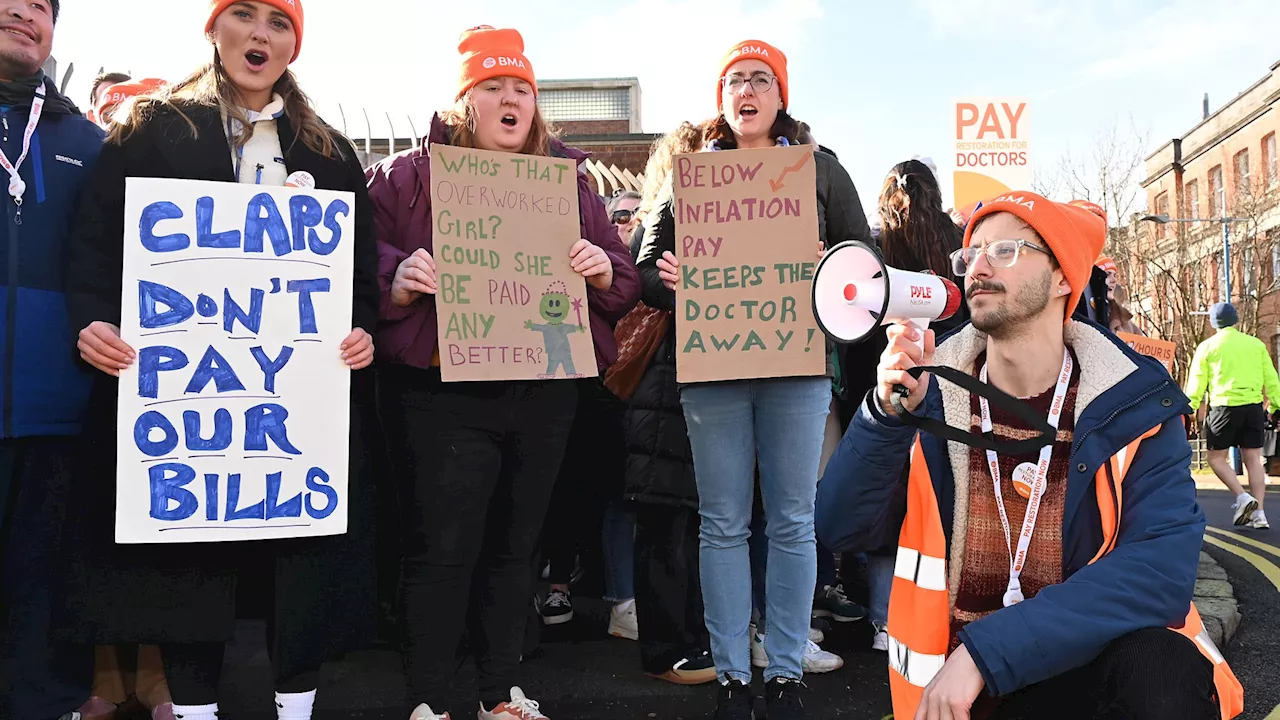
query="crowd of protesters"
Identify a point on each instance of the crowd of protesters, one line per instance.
(696, 509)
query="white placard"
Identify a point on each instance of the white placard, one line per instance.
(234, 420)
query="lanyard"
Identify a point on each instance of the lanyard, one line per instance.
(17, 187)
(1030, 481)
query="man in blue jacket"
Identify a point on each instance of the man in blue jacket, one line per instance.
(1048, 575)
(48, 150)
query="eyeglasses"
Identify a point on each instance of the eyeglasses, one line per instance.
(1000, 253)
(622, 217)
(760, 82)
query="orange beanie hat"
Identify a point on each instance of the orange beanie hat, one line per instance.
(120, 92)
(754, 50)
(1106, 264)
(1074, 234)
(489, 52)
(292, 8)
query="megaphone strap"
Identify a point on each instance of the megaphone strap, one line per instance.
(1046, 434)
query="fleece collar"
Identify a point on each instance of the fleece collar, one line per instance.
(1103, 365)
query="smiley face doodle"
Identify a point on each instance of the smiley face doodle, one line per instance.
(554, 309)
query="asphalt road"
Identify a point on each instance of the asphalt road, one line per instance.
(1254, 651)
(579, 673)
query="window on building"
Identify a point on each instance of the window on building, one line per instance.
(586, 104)
(1250, 270)
(1275, 260)
(1215, 191)
(1192, 190)
(1241, 168)
(1162, 208)
(1269, 159)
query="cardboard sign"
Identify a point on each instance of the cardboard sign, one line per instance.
(747, 242)
(992, 152)
(1162, 350)
(234, 419)
(510, 306)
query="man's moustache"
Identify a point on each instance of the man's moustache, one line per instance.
(983, 288)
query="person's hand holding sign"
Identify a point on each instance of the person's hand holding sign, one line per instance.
(903, 354)
(100, 346)
(669, 269)
(357, 349)
(415, 276)
(590, 261)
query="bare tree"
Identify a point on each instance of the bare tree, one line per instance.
(1109, 174)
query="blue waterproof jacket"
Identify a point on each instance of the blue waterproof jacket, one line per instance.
(1146, 581)
(43, 384)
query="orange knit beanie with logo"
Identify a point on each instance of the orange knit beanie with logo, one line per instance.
(1074, 234)
(754, 50)
(489, 52)
(291, 8)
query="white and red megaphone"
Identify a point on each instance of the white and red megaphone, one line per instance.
(854, 293)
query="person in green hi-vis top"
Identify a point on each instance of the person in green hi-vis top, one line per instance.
(1236, 370)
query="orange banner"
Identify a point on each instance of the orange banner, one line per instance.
(1161, 350)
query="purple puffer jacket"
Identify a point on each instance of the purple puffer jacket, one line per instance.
(400, 188)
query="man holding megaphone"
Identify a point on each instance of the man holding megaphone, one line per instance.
(1052, 532)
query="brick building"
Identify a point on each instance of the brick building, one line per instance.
(1224, 166)
(601, 116)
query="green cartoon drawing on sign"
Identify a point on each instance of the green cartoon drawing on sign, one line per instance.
(554, 308)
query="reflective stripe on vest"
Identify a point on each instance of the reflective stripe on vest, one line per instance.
(919, 626)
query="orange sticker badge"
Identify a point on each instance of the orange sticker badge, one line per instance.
(1024, 476)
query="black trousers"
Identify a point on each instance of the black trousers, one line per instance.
(38, 677)
(1152, 674)
(668, 590)
(477, 463)
(590, 476)
(193, 671)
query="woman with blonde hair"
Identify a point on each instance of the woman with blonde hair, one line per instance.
(477, 461)
(239, 118)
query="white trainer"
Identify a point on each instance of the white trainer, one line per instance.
(815, 635)
(622, 621)
(881, 640)
(424, 712)
(1244, 507)
(1259, 521)
(816, 660)
(520, 708)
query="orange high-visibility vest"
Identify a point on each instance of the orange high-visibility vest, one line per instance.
(919, 625)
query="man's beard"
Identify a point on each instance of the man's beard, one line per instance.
(1008, 320)
(18, 64)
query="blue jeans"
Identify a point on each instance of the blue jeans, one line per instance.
(619, 545)
(776, 423)
(880, 580)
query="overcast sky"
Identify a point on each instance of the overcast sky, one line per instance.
(875, 80)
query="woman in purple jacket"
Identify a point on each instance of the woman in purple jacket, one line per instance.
(477, 461)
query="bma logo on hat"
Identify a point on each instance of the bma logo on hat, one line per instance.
(1016, 200)
(489, 63)
(752, 49)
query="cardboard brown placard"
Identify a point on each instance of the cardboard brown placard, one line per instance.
(747, 243)
(1162, 350)
(510, 306)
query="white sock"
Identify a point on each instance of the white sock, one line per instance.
(624, 606)
(295, 706)
(196, 712)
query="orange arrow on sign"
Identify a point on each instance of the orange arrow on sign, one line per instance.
(776, 185)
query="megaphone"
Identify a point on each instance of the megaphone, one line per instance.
(854, 293)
